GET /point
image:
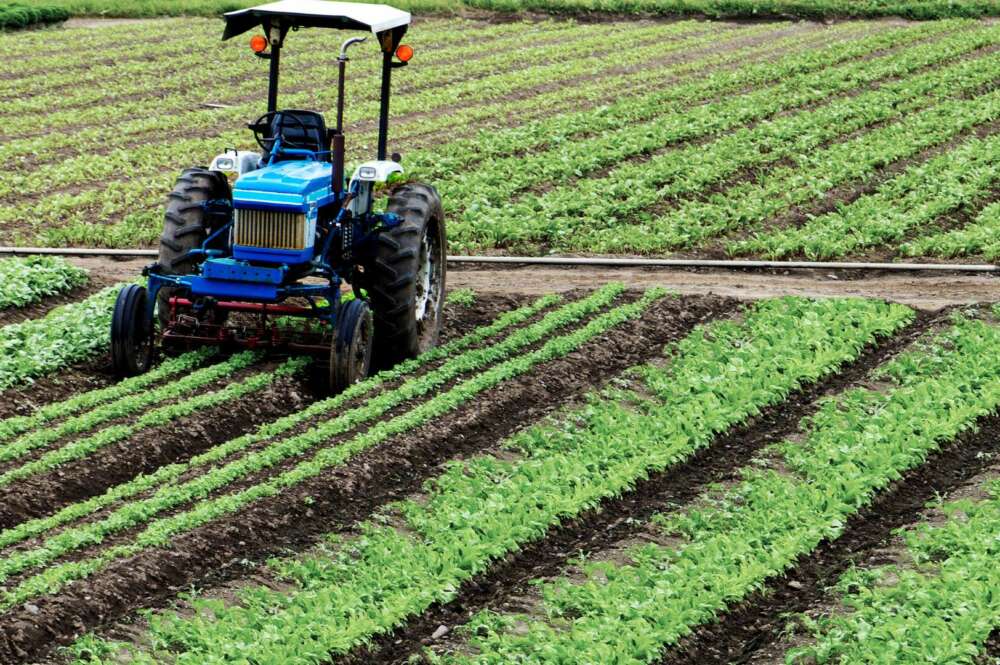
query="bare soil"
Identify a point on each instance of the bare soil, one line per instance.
(928, 290)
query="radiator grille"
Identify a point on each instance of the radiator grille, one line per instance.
(270, 229)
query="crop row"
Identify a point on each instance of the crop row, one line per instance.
(941, 608)
(981, 236)
(633, 187)
(45, 416)
(925, 192)
(853, 448)
(315, 440)
(75, 212)
(127, 196)
(366, 388)
(482, 509)
(852, 162)
(18, 451)
(25, 281)
(426, 88)
(69, 333)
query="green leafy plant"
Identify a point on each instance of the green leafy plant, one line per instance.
(461, 297)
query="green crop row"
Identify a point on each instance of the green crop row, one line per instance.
(981, 236)
(28, 280)
(954, 181)
(480, 510)
(855, 446)
(86, 167)
(817, 75)
(813, 174)
(158, 417)
(141, 195)
(127, 405)
(171, 472)
(942, 609)
(239, 84)
(631, 188)
(171, 495)
(50, 413)
(68, 334)
(160, 532)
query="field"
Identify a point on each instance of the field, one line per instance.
(771, 140)
(606, 471)
(590, 467)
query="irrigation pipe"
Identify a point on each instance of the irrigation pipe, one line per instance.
(569, 261)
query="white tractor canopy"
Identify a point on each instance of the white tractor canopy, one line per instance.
(379, 19)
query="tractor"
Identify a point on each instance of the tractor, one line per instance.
(256, 248)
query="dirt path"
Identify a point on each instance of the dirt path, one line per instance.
(927, 290)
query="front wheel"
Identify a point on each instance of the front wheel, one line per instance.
(406, 281)
(131, 332)
(350, 350)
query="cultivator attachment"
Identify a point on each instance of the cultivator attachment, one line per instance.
(282, 327)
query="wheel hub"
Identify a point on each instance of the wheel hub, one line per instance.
(427, 280)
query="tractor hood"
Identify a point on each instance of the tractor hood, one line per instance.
(292, 184)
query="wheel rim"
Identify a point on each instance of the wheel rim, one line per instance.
(428, 279)
(362, 347)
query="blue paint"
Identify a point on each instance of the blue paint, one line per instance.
(265, 255)
(240, 271)
(217, 288)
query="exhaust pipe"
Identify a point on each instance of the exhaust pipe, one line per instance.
(337, 147)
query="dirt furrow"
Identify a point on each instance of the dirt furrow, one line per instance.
(220, 550)
(146, 451)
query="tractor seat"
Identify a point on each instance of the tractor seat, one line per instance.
(311, 134)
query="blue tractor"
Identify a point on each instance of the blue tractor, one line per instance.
(256, 248)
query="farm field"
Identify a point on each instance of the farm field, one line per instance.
(593, 465)
(570, 476)
(677, 138)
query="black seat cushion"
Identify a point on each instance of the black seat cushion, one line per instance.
(310, 134)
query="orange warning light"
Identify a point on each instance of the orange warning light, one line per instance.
(404, 52)
(258, 43)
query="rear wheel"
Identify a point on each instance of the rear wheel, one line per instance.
(407, 278)
(131, 332)
(187, 224)
(350, 350)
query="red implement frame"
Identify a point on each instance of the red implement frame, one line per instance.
(189, 331)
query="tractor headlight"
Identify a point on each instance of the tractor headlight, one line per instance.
(366, 172)
(226, 164)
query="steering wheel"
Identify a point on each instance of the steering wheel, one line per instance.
(263, 125)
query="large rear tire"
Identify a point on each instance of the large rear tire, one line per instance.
(186, 225)
(132, 344)
(406, 281)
